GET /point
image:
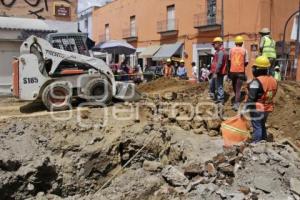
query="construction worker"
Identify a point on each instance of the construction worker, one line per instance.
(218, 71)
(238, 60)
(261, 92)
(181, 70)
(195, 71)
(277, 73)
(267, 47)
(168, 68)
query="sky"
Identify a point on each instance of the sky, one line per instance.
(83, 4)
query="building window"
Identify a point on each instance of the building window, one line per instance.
(171, 18)
(107, 32)
(211, 11)
(132, 26)
(86, 23)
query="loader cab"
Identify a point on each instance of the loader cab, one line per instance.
(72, 42)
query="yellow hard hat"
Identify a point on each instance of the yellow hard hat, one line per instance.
(217, 39)
(262, 62)
(264, 31)
(169, 60)
(181, 61)
(239, 39)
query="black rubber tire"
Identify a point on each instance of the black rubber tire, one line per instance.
(95, 91)
(60, 89)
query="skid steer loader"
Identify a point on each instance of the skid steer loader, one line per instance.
(58, 72)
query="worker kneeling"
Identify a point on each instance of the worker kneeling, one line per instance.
(261, 92)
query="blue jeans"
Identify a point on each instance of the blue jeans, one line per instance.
(258, 121)
(217, 89)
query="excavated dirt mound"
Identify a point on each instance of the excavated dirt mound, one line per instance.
(164, 84)
(158, 148)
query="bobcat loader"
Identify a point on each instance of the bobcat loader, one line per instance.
(60, 71)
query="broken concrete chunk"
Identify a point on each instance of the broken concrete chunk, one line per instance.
(245, 190)
(193, 169)
(211, 170)
(220, 158)
(264, 159)
(226, 169)
(174, 177)
(259, 148)
(221, 193)
(264, 183)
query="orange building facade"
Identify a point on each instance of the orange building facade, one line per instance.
(186, 28)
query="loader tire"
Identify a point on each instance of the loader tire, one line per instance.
(99, 90)
(57, 96)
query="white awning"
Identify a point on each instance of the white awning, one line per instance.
(168, 50)
(149, 51)
(14, 23)
(140, 49)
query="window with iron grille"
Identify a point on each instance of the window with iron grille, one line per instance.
(211, 12)
(70, 43)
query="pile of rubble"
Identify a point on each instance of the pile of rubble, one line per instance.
(261, 171)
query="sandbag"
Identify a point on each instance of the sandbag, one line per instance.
(235, 130)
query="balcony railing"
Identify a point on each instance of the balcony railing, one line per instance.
(130, 34)
(207, 22)
(167, 26)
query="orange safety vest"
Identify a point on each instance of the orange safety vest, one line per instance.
(237, 58)
(168, 71)
(213, 67)
(266, 102)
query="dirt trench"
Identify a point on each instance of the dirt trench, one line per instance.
(145, 150)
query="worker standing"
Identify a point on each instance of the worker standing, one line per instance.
(277, 73)
(168, 68)
(181, 70)
(218, 71)
(238, 61)
(267, 47)
(195, 71)
(261, 92)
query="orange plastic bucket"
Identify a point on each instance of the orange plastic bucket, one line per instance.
(235, 130)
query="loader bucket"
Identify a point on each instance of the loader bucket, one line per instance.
(127, 92)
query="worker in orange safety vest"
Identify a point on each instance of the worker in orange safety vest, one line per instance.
(168, 68)
(261, 92)
(238, 61)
